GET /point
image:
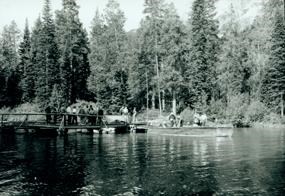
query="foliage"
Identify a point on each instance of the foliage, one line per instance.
(236, 109)
(9, 76)
(109, 76)
(231, 72)
(73, 50)
(48, 56)
(25, 67)
(187, 115)
(274, 80)
(256, 111)
(272, 118)
(201, 73)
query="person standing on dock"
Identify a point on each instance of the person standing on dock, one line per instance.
(125, 113)
(48, 114)
(92, 117)
(74, 116)
(134, 115)
(81, 113)
(69, 117)
(100, 116)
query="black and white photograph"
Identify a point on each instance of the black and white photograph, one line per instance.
(142, 97)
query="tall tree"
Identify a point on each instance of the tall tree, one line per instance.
(274, 81)
(11, 93)
(234, 69)
(172, 61)
(25, 67)
(47, 55)
(109, 69)
(154, 11)
(73, 44)
(203, 53)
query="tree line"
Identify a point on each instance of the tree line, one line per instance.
(165, 64)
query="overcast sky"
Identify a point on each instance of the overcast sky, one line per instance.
(18, 10)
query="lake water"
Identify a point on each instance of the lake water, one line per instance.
(251, 162)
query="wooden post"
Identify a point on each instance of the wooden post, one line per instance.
(174, 102)
(2, 121)
(27, 118)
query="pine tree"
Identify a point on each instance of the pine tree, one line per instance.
(154, 11)
(11, 93)
(234, 68)
(203, 53)
(36, 57)
(47, 56)
(274, 81)
(109, 69)
(172, 38)
(100, 77)
(26, 68)
(73, 45)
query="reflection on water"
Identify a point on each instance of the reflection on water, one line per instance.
(251, 162)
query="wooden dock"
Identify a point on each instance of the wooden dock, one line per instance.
(59, 123)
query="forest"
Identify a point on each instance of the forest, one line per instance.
(228, 71)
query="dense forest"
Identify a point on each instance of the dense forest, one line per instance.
(227, 70)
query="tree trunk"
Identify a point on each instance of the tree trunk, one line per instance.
(174, 103)
(153, 100)
(282, 106)
(163, 100)
(157, 73)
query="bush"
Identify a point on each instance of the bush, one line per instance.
(23, 108)
(216, 110)
(256, 111)
(283, 120)
(272, 118)
(187, 115)
(236, 109)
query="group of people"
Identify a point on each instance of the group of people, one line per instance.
(125, 112)
(175, 121)
(200, 119)
(74, 115)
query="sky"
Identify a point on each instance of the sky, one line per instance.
(19, 10)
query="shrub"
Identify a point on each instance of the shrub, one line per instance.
(256, 111)
(187, 115)
(272, 118)
(236, 109)
(216, 110)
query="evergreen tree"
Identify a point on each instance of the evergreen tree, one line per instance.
(100, 77)
(137, 73)
(203, 53)
(234, 68)
(10, 95)
(36, 51)
(47, 56)
(73, 45)
(109, 69)
(151, 42)
(274, 81)
(172, 38)
(25, 67)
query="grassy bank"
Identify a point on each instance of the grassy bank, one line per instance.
(251, 117)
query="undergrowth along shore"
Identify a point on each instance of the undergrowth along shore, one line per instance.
(239, 115)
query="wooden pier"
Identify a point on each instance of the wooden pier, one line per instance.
(60, 123)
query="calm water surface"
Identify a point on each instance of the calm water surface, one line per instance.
(252, 162)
